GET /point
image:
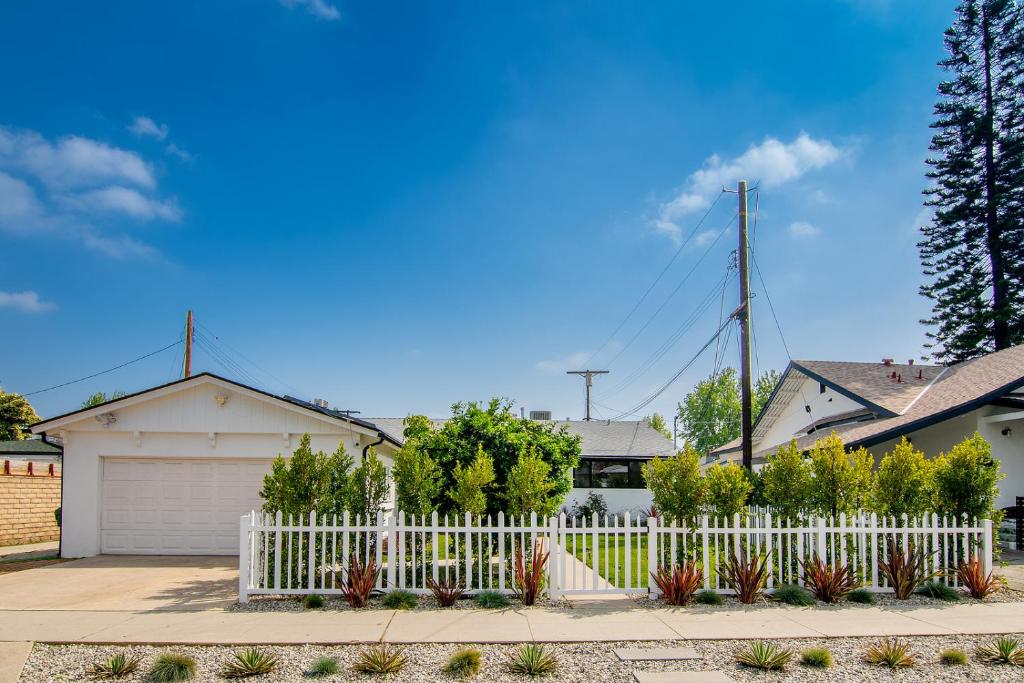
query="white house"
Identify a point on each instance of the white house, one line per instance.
(170, 470)
(875, 404)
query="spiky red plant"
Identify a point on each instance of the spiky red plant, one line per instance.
(972, 575)
(447, 591)
(530, 576)
(905, 571)
(748, 576)
(360, 580)
(829, 583)
(679, 583)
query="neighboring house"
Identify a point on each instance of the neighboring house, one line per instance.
(875, 404)
(170, 470)
(35, 450)
(613, 453)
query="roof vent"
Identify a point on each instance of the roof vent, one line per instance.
(320, 403)
(887, 362)
(540, 414)
(910, 361)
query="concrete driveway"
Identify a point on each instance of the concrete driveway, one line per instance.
(124, 583)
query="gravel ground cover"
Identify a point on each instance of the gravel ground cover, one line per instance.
(577, 662)
(425, 603)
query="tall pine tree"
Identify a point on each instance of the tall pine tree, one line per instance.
(973, 249)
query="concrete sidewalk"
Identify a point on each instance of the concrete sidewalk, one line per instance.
(610, 622)
(28, 551)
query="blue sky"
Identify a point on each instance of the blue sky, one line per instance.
(397, 206)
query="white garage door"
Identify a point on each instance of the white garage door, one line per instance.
(177, 506)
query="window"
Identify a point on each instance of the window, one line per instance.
(608, 473)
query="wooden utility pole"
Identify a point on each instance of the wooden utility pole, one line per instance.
(588, 375)
(743, 312)
(188, 344)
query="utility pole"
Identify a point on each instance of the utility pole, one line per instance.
(743, 315)
(188, 344)
(588, 375)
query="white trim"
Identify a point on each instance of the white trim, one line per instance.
(923, 391)
(1004, 417)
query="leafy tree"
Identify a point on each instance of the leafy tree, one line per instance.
(469, 491)
(840, 481)
(966, 480)
(657, 422)
(973, 248)
(306, 481)
(787, 482)
(678, 488)
(367, 488)
(16, 414)
(902, 482)
(99, 397)
(528, 487)
(728, 488)
(417, 480)
(503, 436)
(710, 414)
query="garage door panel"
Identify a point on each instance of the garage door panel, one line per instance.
(177, 506)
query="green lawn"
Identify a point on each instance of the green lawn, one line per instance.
(616, 549)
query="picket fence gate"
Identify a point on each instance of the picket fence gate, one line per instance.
(617, 554)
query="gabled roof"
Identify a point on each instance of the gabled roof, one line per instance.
(28, 447)
(887, 389)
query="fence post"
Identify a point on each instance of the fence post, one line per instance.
(243, 560)
(554, 558)
(986, 546)
(391, 547)
(819, 540)
(311, 551)
(705, 554)
(652, 556)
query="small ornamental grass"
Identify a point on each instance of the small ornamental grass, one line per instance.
(532, 660)
(380, 660)
(118, 666)
(464, 663)
(746, 575)
(764, 655)
(491, 600)
(400, 599)
(793, 595)
(890, 652)
(862, 596)
(171, 667)
(709, 598)
(447, 591)
(939, 591)
(972, 576)
(678, 584)
(816, 657)
(313, 601)
(324, 666)
(1004, 650)
(251, 661)
(953, 657)
(829, 583)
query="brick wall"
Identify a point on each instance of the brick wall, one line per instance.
(27, 502)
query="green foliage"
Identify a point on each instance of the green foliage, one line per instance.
(938, 590)
(99, 397)
(677, 486)
(709, 598)
(657, 422)
(816, 657)
(251, 661)
(367, 488)
(953, 657)
(792, 594)
(324, 666)
(1003, 650)
(593, 504)
(307, 481)
(903, 482)
(417, 480)
(313, 601)
(764, 655)
(470, 484)
(840, 481)
(400, 599)
(710, 413)
(966, 481)
(531, 659)
(495, 430)
(16, 414)
(728, 489)
(488, 599)
(787, 482)
(172, 667)
(862, 596)
(906, 571)
(756, 496)
(118, 666)
(890, 652)
(528, 487)
(464, 663)
(829, 581)
(380, 660)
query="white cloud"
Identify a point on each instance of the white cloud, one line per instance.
(771, 164)
(803, 229)
(125, 200)
(570, 362)
(19, 206)
(318, 8)
(121, 246)
(26, 302)
(143, 126)
(176, 151)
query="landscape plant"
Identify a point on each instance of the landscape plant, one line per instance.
(840, 481)
(679, 583)
(939, 590)
(966, 481)
(399, 599)
(890, 652)
(862, 596)
(313, 601)
(905, 571)
(953, 656)
(529, 575)
(359, 580)
(903, 482)
(447, 591)
(250, 662)
(1003, 650)
(786, 480)
(764, 655)
(677, 486)
(971, 575)
(470, 484)
(728, 489)
(709, 415)
(116, 666)
(324, 666)
(829, 582)
(172, 667)
(528, 487)
(746, 574)
(531, 659)
(367, 487)
(491, 599)
(417, 480)
(593, 504)
(464, 663)
(791, 594)
(816, 657)
(708, 597)
(16, 414)
(380, 660)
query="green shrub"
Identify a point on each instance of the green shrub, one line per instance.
(764, 655)
(313, 601)
(171, 667)
(709, 598)
(966, 481)
(528, 486)
(470, 485)
(862, 596)
(400, 599)
(939, 590)
(324, 666)
(817, 657)
(953, 657)
(380, 660)
(532, 660)
(676, 485)
(118, 666)
(728, 488)
(250, 662)
(793, 595)
(840, 481)
(903, 482)
(491, 599)
(786, 479)
(464, 663)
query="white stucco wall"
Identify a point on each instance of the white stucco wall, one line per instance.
(618, 500)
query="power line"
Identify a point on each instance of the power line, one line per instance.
(103, 372)
(227, 347)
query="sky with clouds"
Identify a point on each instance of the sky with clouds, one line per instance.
(397, 206)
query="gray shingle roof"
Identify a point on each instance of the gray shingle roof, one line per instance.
(891, 387)
(28, 447)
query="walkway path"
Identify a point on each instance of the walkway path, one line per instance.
(28, 551)
(609, 621)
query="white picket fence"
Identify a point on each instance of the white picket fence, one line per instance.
(612, 554)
